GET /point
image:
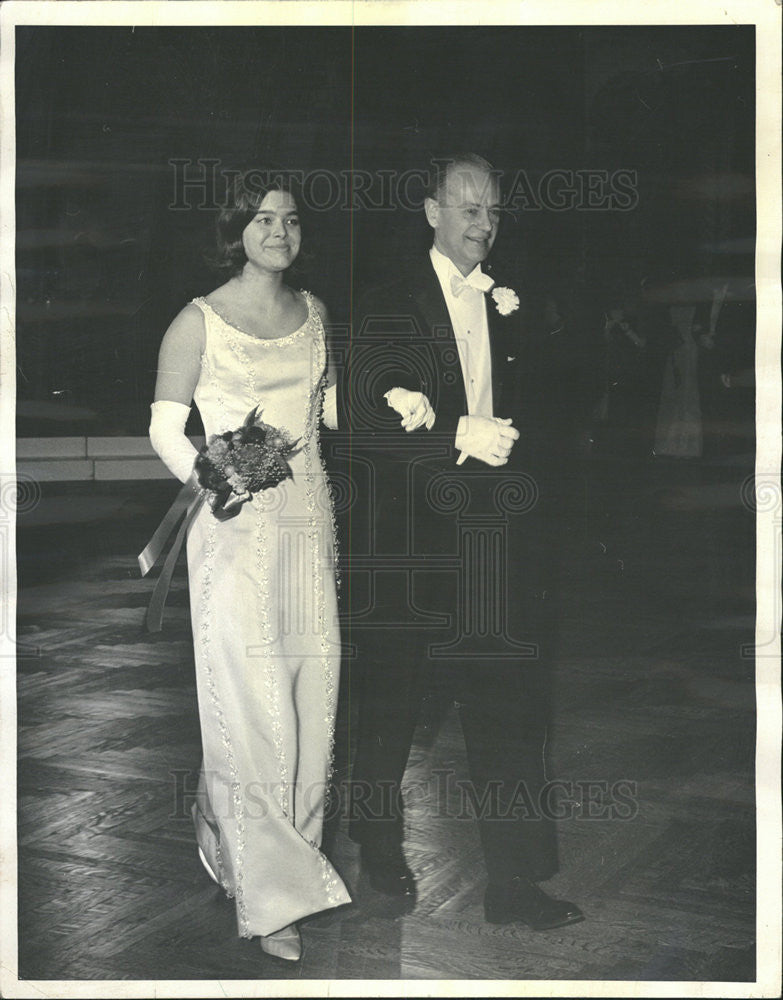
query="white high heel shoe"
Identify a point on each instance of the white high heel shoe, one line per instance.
(206, 833)
(208, 867)
(285, 943)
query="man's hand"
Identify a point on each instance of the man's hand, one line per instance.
(489, 439)
(413, 407)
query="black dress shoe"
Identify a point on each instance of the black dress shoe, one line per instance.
(387, 870)
(523, 900)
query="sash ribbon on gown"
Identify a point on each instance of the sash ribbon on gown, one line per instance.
(184, 509)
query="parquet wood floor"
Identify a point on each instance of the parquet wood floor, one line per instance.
(650, 688)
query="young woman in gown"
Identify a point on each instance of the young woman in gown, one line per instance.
(262, 587)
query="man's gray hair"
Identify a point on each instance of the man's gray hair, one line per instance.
(440, 167)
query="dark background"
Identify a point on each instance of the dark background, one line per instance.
(104, 262)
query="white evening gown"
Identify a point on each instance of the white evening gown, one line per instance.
(266, 638)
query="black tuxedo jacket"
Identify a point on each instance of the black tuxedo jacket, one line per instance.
(412, 494)
(402, 336)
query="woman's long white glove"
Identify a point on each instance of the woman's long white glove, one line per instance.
(167, 434)
(329, 413)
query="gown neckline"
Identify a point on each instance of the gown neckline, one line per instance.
(262, 340)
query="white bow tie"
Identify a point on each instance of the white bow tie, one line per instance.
(478, 283)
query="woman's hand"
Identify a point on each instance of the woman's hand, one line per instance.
(413, 407)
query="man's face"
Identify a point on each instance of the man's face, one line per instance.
(465, 216)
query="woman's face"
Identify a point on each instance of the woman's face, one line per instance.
(272, 238)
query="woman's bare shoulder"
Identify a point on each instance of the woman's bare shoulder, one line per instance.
(186, 330)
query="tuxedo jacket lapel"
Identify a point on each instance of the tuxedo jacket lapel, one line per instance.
(428, 296)
(498, 355)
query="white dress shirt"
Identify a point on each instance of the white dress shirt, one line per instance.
(468, 314)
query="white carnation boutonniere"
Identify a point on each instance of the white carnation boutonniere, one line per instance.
(506, 300)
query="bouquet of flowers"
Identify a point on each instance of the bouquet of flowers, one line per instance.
(235, 465)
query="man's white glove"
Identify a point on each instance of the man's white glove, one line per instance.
(329, 412)
(489, 439)
(413, 407)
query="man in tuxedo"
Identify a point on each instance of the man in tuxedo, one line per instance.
(450, 557)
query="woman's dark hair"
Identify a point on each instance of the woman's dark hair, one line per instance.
(244, 198)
